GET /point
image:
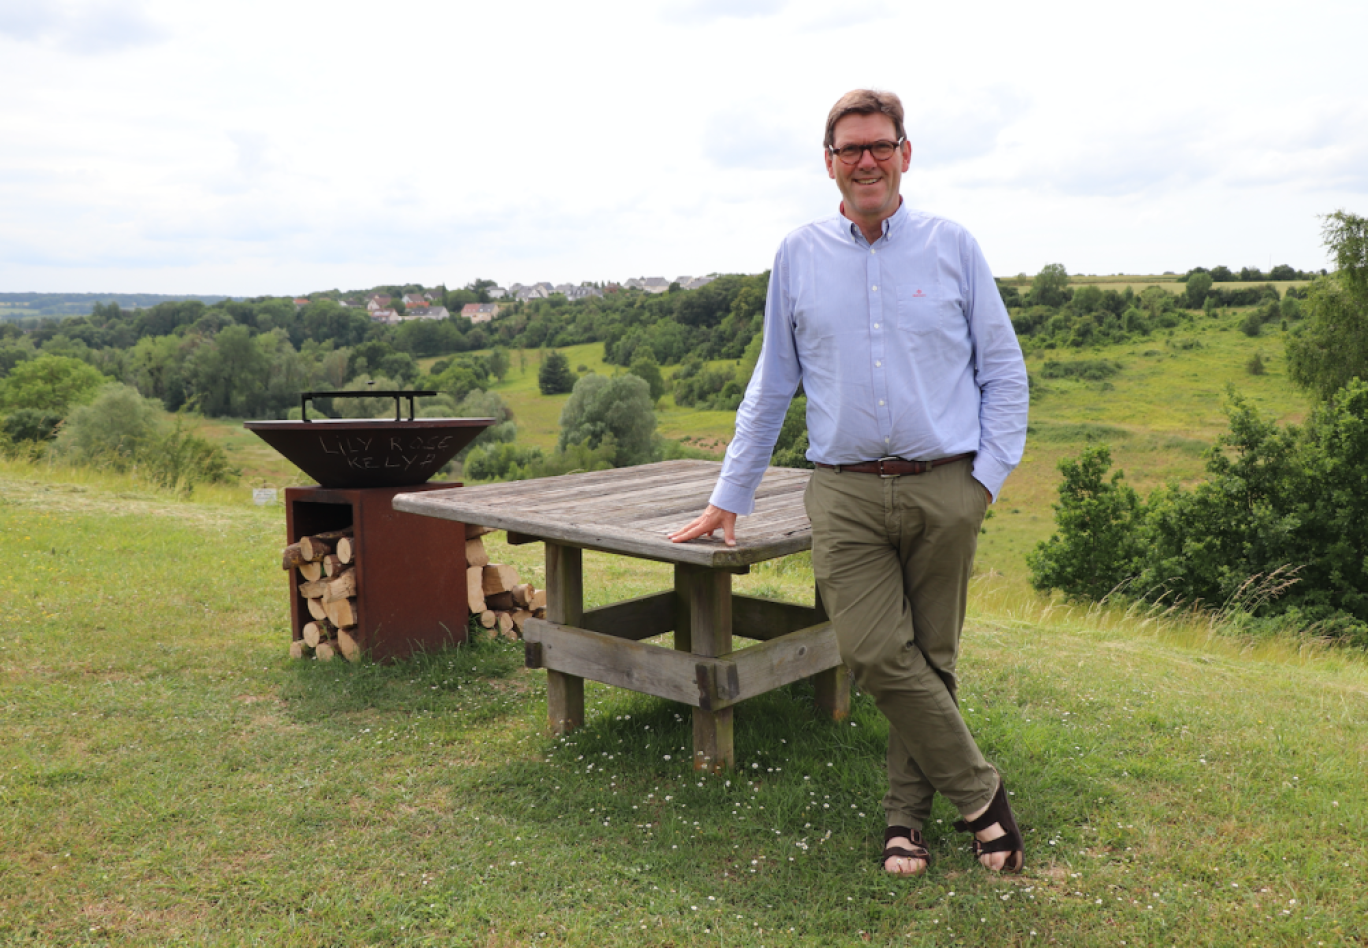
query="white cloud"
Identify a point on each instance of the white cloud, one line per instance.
(702, 11)
(26, 21)
(1318, 146)
(270, 148)
(754, 135)
(91, 27)
(967, 126)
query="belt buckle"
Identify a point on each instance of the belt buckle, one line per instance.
(881, 461)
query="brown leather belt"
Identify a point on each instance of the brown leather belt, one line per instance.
(893, 467)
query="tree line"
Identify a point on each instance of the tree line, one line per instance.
(240, 358)
(1053, 314)
(1281, 272)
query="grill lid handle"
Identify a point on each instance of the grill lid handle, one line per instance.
(306, 397)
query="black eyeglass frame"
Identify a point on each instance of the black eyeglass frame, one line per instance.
(893, 148)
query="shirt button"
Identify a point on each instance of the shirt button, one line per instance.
(881, 401)
(876, 289)
(872, 250)
(876, 325)
(878, 365)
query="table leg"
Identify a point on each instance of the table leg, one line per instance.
(564, 604)
(833, 692)
(832, 685)
(683, 627)
(707, 613)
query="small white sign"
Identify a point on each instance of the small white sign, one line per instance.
(263, 495)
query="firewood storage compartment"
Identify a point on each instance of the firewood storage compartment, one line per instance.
(371, 579)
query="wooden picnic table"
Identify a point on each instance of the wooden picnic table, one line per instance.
(629, 511)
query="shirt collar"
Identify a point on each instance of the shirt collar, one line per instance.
(890, 224)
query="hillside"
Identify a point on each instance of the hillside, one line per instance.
(1159, 411)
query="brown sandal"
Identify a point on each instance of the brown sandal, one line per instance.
(918, 850)
(999, 811)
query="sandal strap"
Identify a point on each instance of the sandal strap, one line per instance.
(999, 811)
(1003, 844)
(893, 832)
(1015, 861)
(917, 850)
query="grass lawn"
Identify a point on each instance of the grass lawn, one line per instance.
(169, 776)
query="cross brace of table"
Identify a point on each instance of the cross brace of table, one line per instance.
(702, 670)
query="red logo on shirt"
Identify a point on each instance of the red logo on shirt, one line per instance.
(919, 292)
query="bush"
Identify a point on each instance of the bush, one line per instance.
(1097, 546)
(619, 408)
(458, 377)
(501, 462)
(1091, 370)
(645, 367)
(791, 448)
(123, 431)
(111, 430)
(1279, 527)
(482, 404)
(30, 424)
(702, 386)
(1243, 295)
(1255, 365)
(1198, 285)
(50, 383)
(577, 458)
(179, 460)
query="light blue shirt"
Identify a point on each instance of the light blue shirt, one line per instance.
(903, 348)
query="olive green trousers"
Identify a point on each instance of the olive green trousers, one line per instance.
(892, 558)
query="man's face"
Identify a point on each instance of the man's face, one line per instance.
(870, 187)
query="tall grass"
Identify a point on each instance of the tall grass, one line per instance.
(1219, 630)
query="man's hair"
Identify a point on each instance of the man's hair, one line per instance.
(865, 102)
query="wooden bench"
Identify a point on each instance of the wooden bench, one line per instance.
(630, 511)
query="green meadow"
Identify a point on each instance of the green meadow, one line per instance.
(168, 776)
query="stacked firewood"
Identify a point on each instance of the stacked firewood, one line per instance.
(326, 564)
(498, 601)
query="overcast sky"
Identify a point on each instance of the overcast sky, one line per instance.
(281, 147)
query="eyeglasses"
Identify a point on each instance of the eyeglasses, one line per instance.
(882, 151)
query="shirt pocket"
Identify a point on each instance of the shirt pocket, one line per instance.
(929, 312)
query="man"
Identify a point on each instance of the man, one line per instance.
(917, 397)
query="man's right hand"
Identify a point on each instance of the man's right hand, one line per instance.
(707, 523)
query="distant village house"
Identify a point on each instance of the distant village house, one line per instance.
(480, 312)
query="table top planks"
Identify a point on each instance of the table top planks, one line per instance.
(630, 510)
